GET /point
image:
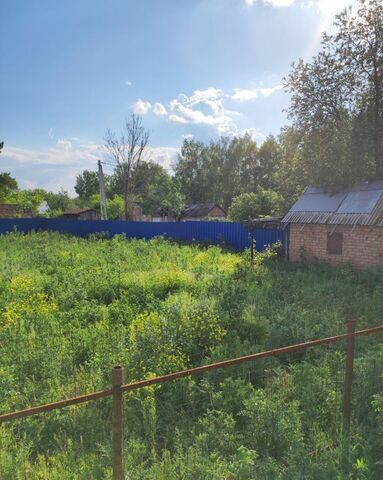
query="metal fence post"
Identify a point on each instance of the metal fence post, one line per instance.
(252, 246)
(350, 350)
(117, 424)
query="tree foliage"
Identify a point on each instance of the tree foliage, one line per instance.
(87, 184)
(127, 151)
(8, 185)
(261, 203)
(224, 169)
(337, 99)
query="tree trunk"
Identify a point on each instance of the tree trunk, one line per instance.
(126, 209)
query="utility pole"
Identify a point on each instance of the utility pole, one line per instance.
(104, 215)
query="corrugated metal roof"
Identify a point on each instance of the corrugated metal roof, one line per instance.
(77, 211)
(360, 205)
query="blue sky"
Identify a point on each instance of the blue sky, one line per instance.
(203, 68)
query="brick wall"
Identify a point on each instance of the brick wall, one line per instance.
(8, 211)
(362, 246)
(216, 212)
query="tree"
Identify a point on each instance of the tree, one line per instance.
(58, 202)
(289, 176)
(189, 171)
(28, 199)
(127, 151)
(257, 204)
(8, 185)
(337, 99)
(87, 184)
(223, 169)
(173, 202)
(115, 207)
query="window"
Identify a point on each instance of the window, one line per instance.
(335, 243)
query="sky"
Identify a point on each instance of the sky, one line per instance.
(192, 68)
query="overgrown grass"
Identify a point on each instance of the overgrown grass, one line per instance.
(71, 308)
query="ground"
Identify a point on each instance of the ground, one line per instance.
(72, 308)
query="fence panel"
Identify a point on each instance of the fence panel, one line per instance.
(230, 233)
(23, 225)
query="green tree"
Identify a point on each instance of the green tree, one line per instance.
(225, 168)
(162, 195)
(290, 176)
(28, 199)
(257, 204)
(8, 185)
(58, 202)
(115, 207)
(337, 99)
(87, 184)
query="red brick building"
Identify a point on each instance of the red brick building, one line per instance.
(345, 226)
(8, 210)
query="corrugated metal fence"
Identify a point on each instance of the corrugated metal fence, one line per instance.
(230, 233)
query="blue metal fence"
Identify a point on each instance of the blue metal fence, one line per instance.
(230, 233)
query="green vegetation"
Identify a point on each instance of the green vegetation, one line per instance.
(72, 308)
(257, 204)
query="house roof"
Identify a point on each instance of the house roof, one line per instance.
(77, 211)
(199, 210)
(263, 222)
(359, 205)
(8, 206)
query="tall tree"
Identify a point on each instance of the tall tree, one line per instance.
(87, 184)
(337, 99)
(223, 169)
(127, 150)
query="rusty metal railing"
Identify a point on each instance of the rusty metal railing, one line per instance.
(119, 388)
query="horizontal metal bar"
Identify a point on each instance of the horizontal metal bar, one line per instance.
(246, 358)
(52, 406)
(185, 373)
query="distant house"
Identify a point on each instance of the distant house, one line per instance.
(346, 226)
(14, 211)
(81, 214)
(203, 211)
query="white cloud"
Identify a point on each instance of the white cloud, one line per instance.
(254, 133)
(164, 156)
(273, 3)
(128, 83)
(64, 145)
(159, 109)
(57, 167)
(325, 6)
(279, 3)
(51, 168)
(188, 136)
(63, 153)
(331, 7)
(245, 95)
(141, 107)
(203, 107)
